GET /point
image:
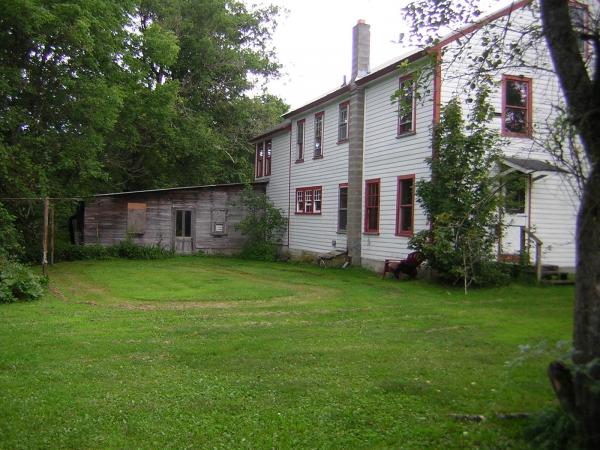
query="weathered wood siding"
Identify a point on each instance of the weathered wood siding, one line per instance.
(106, 217)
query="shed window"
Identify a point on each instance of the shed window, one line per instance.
(136, 218)
(183, 223)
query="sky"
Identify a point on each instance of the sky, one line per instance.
(313, 42)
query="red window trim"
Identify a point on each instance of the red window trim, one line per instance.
(346, 105)
(303, 190)
(529, 116)
(377, 181)
(298, 158)
(320, 114)
(413, 128)
(399, 231)
(259, 160)
(587, 47)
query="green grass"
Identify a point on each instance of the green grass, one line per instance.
(221, 353)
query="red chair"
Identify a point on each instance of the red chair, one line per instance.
(408, 265)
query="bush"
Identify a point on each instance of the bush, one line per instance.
(553, 430)
(18, 283)
(261, 225)
(125, 249)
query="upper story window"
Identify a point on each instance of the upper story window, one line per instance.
(405, 209)
(516, 106)
(319, 135)
(372, 206)
(268, 151)
(343, 208)
(343, 122)
(580, 19)
(309, 200)
(406, 106)
(300, 141)
(260, 156)
(264, 152)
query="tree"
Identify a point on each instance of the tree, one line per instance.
(461, 198)
(572, 38)
(112, 95)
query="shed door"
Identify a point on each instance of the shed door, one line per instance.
(183, 231)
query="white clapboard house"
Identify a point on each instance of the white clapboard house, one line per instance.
(343, 167)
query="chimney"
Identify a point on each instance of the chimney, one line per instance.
(361, 42)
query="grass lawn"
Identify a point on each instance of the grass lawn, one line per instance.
(196, 352)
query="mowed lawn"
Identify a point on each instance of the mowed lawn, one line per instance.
(197, 352)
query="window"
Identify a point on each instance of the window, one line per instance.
(136, 218)
(309, 200)
(580, 19)
(343, 208)
(516, 106)
(260, 153)
(372, 206)
(319, 135)
(300, 140)
(405, 205)
(515, 187)
(406, 105)
(183, 223)
(268, 151)
(343, 122)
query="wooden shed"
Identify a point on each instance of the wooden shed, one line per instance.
(185, 219)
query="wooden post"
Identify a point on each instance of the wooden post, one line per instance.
(45, 237)
(52, 235)
(538, 260)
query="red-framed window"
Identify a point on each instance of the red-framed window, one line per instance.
(406, 106)
(343, 116)
(309, 200)
(300, 140)
(405, 205)
(268, 152)
(343, 208)
(319, 121)
(516, 106)
(260, 156)
(580, 19)
(372, 192)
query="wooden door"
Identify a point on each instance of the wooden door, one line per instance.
(183, 231)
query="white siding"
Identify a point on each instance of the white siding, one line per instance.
(387, 156)
(316, 232)
(552, 194)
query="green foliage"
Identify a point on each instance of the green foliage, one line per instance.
(461, 199)
(112, 95)
(261, 225)
(552, 430)
(17, 283)
(9, 237)
(128, 249)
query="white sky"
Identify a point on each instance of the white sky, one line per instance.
(313, 42)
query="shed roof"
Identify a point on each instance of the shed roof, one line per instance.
(180, 188)
(531, 165)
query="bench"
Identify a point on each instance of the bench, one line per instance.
(408, 265)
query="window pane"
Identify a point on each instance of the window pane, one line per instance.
(406, 187)
(344, 197)
(372, 219)
(515, 120)
(188, 223)
(179, 223)
(516, 93)
(343, 220)
(406, 214)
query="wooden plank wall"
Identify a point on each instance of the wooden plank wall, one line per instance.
(106, 217)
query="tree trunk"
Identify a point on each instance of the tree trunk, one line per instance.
(579, 389)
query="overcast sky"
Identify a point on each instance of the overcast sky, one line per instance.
(314, 42)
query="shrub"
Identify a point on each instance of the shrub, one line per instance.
(260, 225)
(553, 430)
(130, 250)
(17, 282)
(125, 249)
